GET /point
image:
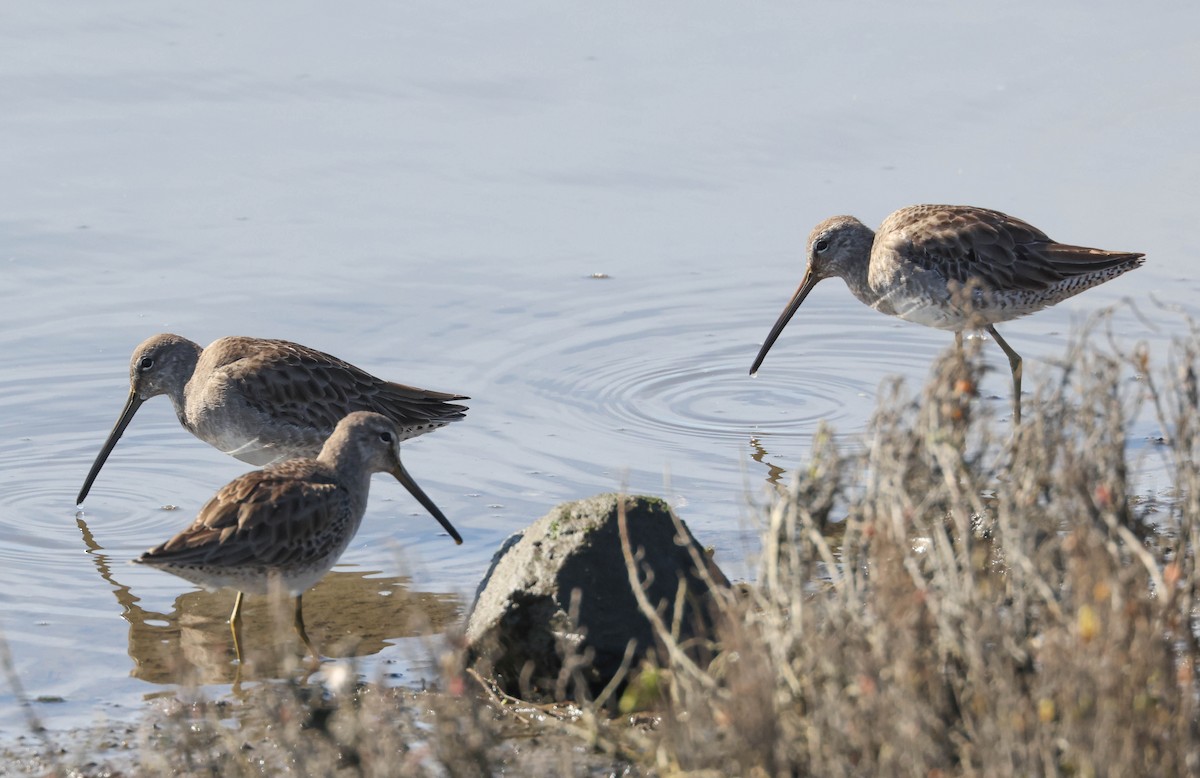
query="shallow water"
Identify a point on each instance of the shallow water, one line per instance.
(429, 191)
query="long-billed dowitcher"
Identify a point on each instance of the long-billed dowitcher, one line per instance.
(953, 267)
(289, 522)
(264, 401)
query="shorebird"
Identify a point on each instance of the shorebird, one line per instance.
(289, 522)
(953, 267)
(265, 401)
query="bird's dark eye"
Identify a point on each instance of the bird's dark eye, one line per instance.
(820, 245)
(386, 437)
(145, 363)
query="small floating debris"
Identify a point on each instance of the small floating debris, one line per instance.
(600, 275)
(168, 507)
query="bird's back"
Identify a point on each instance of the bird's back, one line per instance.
(266, 400)
(292, 520)
(1010, 267)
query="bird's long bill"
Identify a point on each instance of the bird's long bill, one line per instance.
(793, 305)
(403, 477)
(131, 405)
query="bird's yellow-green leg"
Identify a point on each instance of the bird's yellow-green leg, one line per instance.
(235, 627)
(303, 633)
(1014, 362)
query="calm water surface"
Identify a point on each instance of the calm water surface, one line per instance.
(429, 192)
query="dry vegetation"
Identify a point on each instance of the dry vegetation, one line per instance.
(988, 606)
(945, 600)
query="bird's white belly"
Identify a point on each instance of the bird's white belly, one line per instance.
(920, 309)
(253, 450)
(947, 313)
(234, 439)
(254, 580)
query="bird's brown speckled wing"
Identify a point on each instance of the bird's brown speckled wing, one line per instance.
(257, 519)
(996, 250)
(291, 382)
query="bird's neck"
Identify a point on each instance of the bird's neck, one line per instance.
(857, 278)
(346, 459)
(178, 393)
(850, 256)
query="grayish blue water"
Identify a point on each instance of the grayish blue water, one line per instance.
(426, 190)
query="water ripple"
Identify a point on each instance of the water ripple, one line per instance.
(624, 364)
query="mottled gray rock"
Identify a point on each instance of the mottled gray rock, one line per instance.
(524, 621)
